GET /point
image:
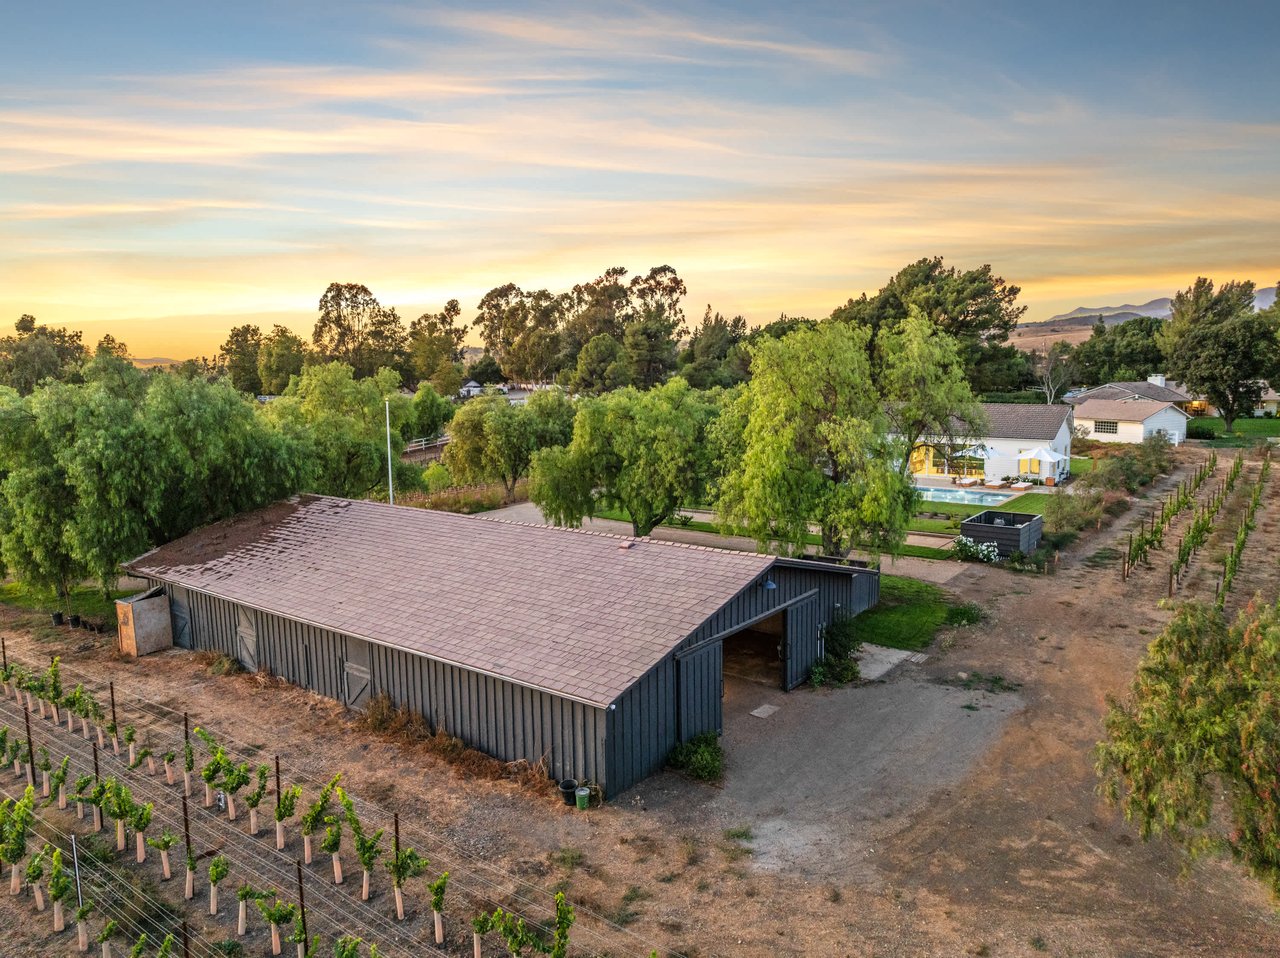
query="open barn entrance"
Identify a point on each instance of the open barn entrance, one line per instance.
(758, 652)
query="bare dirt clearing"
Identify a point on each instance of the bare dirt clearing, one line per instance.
(916, 816)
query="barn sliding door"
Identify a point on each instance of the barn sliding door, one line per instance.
(700, 680)
(801, 643)
(357, 673)
(246, 638)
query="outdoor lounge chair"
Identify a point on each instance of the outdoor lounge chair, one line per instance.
(1020, 485)
(997, 485)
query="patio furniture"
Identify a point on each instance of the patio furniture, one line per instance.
(997, 485)
(1020, 486)
(971, 481)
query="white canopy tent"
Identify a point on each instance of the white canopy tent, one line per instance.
(1032, 461)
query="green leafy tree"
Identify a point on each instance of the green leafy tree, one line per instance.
(1200, 727)
(975, 307)
(602, 366)
(15, 828)
(435, 343)
(234, 779)
(339, 422)
(239, 354)
(1124, 352)
(281, 356)
(37, 353)
(644, 453)
(925, 394)
(431, 413)
(494, 441)
(817, 453)
(1218, 346)
(354, 328)
(705, 361)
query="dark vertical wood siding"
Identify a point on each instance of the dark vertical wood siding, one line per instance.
(700, 679)
(804, 641)
(509, 721)
(643, 726)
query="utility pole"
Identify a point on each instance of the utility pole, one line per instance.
(391, 493)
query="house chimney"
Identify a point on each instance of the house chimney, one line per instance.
(1157, 378)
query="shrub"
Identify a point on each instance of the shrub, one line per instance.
(701, 757)
(970, 551)
(436, 478)
(1200, 430)
(1069, 512)
(838, 666)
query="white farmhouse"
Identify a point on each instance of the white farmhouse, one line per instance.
(1131, 420)
(1025, 440)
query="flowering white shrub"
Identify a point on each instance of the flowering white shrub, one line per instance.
(971, 551)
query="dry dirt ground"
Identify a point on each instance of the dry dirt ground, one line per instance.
(928, 814)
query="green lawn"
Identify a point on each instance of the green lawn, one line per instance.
(1080, 465)
(1253, 428)
(85, 600)
(1033, 502)
(909, 614)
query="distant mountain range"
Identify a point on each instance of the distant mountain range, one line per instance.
(1113, 315)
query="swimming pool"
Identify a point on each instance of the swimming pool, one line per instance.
(970, 497)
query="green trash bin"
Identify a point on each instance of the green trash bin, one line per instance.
(583, 796)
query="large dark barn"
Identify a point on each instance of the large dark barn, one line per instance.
(597, 652)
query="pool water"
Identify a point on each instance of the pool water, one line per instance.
(970, 497)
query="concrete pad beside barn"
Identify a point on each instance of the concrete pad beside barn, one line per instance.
(829, 774)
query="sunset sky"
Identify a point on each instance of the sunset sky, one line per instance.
(169, 169)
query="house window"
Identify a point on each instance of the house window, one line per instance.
(1106, 425)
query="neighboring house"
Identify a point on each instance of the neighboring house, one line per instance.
(1131, 420)
(1014, 429)
(1197, 405)
(1155, 388)
(470, 388)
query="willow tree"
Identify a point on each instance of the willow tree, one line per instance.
(1201, 725)
(814, 448)
(643, 452)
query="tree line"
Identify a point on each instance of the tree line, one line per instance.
(114, 460)
(1215, 343)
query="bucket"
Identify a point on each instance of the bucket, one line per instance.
(583, 795)
(56, 618)
(75, 620)
(567, 787)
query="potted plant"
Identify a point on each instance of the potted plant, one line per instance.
(104, 937)
(437, 905)
(254, 798)
(332, 844)
(218, 869)
(275, 915)
(59, 888)
(35, 873)
(162, 843)
(140, 820)
(403, 865)
(286, 804)
(315, 815)
(82, 924)
(244, 894)
(366, 846)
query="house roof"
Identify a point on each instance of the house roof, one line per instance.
(578, 614)
(1123, 410)
(1126, 390)
(1028, 421)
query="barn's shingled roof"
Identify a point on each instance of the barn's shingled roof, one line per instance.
(579, 614)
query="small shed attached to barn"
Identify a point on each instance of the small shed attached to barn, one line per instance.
(596, 652)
